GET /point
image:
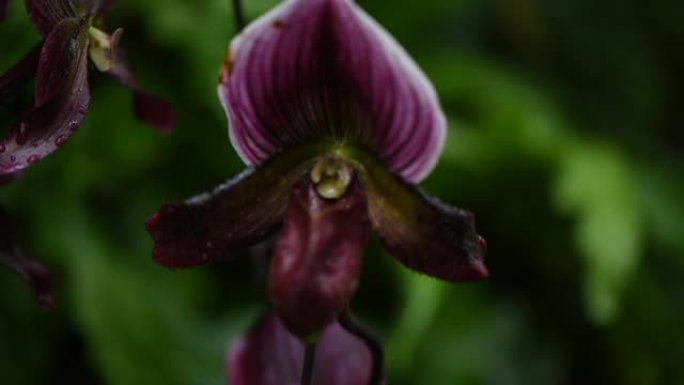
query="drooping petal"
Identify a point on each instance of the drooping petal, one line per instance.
(147, 107)
(46, 14)
(317, 259)
(62, 98)
(269, 355)
(323, 69)
(235, 215)
(21, 73)
(424, 234)
(30, 270)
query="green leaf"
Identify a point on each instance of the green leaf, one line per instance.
(140, 327)
(596, 185)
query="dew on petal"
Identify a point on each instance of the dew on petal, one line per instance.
(20, 137)
(32, 159)
(61, 140)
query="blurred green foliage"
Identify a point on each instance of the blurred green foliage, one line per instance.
(566, 139)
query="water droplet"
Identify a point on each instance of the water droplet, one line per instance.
(73, 126)
(33, 159)
(205, 257)
(13, 158)
(209, 245)
(61, 140)
(21, 139)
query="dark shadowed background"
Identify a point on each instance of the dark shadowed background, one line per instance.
(566, 138)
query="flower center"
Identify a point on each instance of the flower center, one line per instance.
(332, 177)
(100, 49)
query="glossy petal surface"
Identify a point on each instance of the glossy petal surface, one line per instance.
(46, 14)
(424, 234)
(31, 271)
(62, 99)
(235, 215)
(269, 355)
(147, 107)
(317, 259)
(323, 69)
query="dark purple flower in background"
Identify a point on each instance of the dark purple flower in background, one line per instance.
(270, 355)
(72, 31)
(30, 270)
(337, 125)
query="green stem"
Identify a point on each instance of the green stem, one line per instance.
(308, 366)
(238, 15)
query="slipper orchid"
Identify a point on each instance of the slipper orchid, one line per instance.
(72, 32)
(337, 126)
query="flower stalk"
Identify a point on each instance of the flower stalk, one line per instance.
(308, 365)
(238, 15)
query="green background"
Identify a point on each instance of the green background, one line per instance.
(566, 138)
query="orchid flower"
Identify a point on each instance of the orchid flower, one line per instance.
(270, 355)
(32, 272)
(72, 31)
(337, 126)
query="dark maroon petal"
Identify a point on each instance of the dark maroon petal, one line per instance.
(269, 355)
(154, 111)
(147, 107)
(62, 98)
(21, 73)
(60, 60)
(316, 262)
(323, 69)
(31, 271)
(235, 215)
(46, 14)
(421, 232)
